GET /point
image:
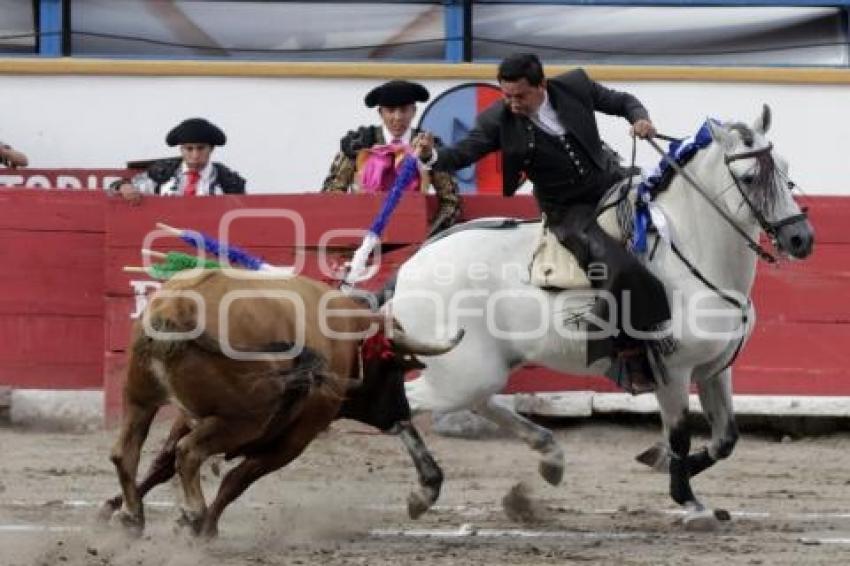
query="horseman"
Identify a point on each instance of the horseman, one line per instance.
(396, 102)
(547, 132)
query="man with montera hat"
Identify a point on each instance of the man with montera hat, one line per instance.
(396, 101)
(191, 174)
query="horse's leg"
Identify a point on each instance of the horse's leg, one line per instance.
(673, 401)
(430, 474)
(715, 395)
(126, 454)
(539, 438)
(160, 471)
(299, 434)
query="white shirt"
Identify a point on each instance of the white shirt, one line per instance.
(547, 119)
(176, 186)
(405, 137)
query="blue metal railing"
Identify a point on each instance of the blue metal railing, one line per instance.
(54, 31)
(50, 23)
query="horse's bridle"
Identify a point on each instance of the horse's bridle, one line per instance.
(770, 228)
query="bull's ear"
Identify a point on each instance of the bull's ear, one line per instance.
(762, 123)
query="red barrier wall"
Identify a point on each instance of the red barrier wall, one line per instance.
(62, 178)
(65, 303)
(51, 289)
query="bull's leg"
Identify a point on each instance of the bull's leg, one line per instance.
(539, 438)
(125, 455)
(715, 395)
(673, 401)
(237, 480)
(430, 474)
(212, 435)
(161, 469)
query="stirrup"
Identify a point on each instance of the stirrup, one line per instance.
(632, 370)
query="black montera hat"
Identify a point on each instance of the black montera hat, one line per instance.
(195, 130)
(396, 93)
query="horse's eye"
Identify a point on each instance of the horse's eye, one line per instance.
(748, 179)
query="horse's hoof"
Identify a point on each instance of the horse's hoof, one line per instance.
(552, 472)
(131, 524)
(702, 521)
(417, 504)
(656, 457)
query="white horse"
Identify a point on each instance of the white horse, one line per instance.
(477, 279)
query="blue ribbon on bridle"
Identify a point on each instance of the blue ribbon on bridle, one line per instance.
(681, 151)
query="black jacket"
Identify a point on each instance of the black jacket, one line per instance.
(230, 182)
(575, 98)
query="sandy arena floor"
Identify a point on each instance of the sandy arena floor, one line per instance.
(343, 503)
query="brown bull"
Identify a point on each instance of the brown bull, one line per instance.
(258, 373)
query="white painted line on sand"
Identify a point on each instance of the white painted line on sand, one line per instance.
(78, 503)
(473, 511)
(828, 540)
(72, 503)
(769, 515)
(463, 510)
(38, 529)
(470, 531)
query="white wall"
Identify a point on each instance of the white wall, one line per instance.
(283, 132)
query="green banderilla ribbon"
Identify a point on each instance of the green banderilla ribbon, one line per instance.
(175, 262)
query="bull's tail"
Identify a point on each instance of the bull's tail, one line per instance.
(307, 371)
(308, 376)
(167, 323)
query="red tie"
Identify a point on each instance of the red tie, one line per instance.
(191, 188)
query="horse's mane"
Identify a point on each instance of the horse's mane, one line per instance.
(763, 191)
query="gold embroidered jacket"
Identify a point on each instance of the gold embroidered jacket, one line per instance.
(343, 172)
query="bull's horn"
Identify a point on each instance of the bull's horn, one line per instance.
(410, 345)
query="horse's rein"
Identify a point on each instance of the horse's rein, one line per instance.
(744, 308)
(751, 243)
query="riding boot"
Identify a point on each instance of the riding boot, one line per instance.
(631, 285)
(631, 368)
(637, 371)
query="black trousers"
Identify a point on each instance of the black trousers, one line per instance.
(612, 269)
